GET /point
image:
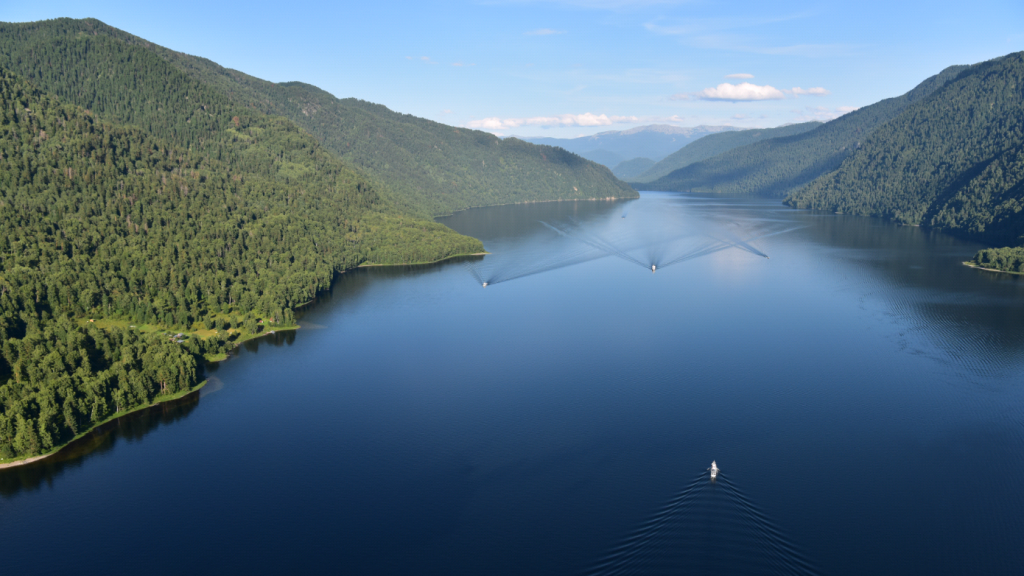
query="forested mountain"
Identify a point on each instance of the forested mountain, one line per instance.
(778, 166)
(630, 169)
(162, 203)
(953, 161)
(423, 166)
(655, 141)
(713, 145)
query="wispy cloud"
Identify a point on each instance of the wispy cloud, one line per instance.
(741, 76)
(743, 92)
(544, 32)
(747, 92)
(585, 119)
(733, 34)
(424, 59)
(461, 65)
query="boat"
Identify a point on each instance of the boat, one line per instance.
(653, 268)
(485, 284)
(714, 470)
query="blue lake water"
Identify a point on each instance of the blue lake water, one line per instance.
(860, 390)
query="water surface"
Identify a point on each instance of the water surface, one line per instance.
(860, 391)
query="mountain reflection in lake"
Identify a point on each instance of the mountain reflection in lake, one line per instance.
(860, 391)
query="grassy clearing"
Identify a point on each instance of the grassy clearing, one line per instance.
(233, 336)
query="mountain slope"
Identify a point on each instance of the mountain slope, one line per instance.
(201, 214)
(655, 142)
(953, 161)
(630, 169)
(779, 166)
(423, 166)
(713, 145)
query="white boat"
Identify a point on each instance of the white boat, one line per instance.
(653, 268)
(714, 470)
(485, 284)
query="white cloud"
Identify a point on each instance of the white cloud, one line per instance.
(544, 32)
(740, 76)
(819, 91)
(747, 92)
(744, 92)
(585, 119)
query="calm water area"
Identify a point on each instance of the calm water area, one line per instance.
(859, 388)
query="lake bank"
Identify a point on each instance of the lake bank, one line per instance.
(970, 264)
(11, 463)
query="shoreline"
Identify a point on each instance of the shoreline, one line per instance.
(970, 264)
(157, 401)
(227, 355)
(365, 265)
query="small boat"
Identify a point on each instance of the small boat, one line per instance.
(654, 267)
(714, 470)
(485, 284)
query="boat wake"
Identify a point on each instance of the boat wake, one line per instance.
(706, 528)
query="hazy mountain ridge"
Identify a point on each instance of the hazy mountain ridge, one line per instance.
(715, 144)
(655, 141)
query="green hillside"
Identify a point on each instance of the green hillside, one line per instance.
(713, 145)
(199, 217)
(778, 166)
(424, 167)
(953, 161)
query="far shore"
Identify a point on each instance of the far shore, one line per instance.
(976, 267)
(603, 199)
(159, 400)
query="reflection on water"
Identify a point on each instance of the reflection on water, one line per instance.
(103, 439)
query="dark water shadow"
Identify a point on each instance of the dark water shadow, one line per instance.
(103, 439)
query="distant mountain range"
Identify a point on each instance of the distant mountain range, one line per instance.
(780, 166)
(654, 142)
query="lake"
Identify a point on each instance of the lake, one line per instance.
(859, 388)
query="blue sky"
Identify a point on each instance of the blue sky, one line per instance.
(567, 68)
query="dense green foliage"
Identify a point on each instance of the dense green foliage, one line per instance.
(778, 166)
(630, 169)
(954, 161)
(1005, 259)
(435, 168)
(424, 167)
(197, 208)
(713, 145)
